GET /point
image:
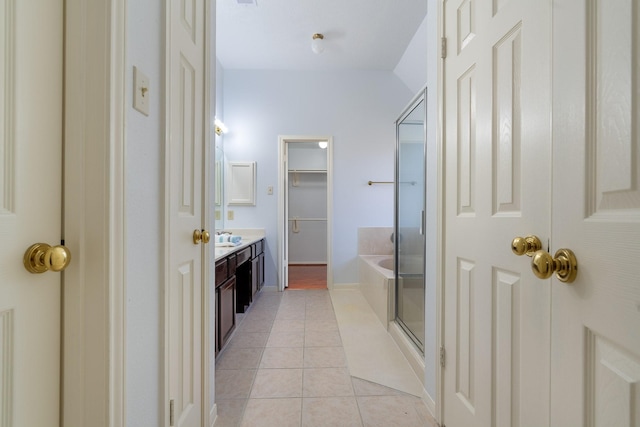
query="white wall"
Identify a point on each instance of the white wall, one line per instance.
(433, 252)
(412, 68)
(144, 227)
(417, 67)
(357, 108)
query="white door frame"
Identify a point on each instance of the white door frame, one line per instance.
(93, 338)
(282, 211)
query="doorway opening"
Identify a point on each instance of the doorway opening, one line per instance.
(305, 212)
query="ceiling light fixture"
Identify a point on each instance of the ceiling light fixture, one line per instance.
(316, 43)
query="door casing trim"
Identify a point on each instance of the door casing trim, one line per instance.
(94, 287)
(282, 182)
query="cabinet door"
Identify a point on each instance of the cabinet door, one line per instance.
(255, 276)
(226, 310)
(216, 303)
(260, 271)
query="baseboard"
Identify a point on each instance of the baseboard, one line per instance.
(429, 403)
(213, 415)
(407, 348)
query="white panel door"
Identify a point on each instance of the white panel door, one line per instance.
(30, 209)
(185, 174)
(497, 174)
(595, 370)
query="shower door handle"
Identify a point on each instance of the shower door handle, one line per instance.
(422, 222)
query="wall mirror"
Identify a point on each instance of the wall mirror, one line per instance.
(219, 189)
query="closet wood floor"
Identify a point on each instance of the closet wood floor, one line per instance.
(307, 276)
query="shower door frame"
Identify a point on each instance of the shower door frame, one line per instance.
(420, 97)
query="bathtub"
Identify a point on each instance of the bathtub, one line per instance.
(377, 285)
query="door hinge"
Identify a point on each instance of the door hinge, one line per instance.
(443, 47)
(442, 356)
(171, 413)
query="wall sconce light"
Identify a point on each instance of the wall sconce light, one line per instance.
(322, 144)
(317, 44)
(220, 127)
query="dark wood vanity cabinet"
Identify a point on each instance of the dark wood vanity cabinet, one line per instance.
(250, 276)
(225, 300)
(226, 310)
(238, 277)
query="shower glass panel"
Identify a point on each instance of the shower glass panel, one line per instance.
(409, 221)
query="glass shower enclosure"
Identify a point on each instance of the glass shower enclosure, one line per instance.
(409, 232)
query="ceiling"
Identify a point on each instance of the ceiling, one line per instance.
(276, 34)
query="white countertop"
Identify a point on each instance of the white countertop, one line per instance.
(249, 236)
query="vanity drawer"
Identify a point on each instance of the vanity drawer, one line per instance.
(231, 265)
(222, 271)
(257, 248)
(243, 256)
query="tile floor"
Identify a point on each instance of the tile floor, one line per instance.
(285, 366)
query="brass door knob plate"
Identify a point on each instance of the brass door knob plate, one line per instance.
(42, 257)
(564, 264)
(526, 245)
(201, 236)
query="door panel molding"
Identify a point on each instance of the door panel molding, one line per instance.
(7, 84)
(507, 112)
(6, 368)
(613, 190)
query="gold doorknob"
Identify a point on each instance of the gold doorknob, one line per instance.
(201, 236)
(564, 264)
(526, 245)
(41, 257)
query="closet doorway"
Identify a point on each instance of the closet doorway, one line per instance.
(304, 212)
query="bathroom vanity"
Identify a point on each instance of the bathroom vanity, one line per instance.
(239, 275)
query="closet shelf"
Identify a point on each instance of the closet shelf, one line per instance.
(307, 171)
(307, 219)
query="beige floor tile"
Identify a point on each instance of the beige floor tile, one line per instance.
(290, 314)
(239, 358)
(287, 326)
(320, 325)
(320, 315)
(325, 382)
(330, 411)
(282, 357)
(272, 413)
(368, 388)
(230, 412)
(262, 315)
(286, 339)
(243, 339)
(255, 325)
(277, 383)
(385, 411)
(234, 383)
(268, 301)
(322, 339)
(324, 357)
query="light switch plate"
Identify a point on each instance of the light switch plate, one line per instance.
(141, 91)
